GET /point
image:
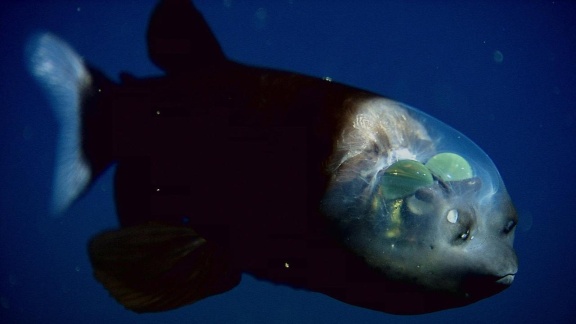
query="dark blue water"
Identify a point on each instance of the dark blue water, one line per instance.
(502, 73)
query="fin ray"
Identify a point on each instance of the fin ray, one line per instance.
(154, 267)
(63, 76)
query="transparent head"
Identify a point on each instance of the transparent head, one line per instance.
(420, 201)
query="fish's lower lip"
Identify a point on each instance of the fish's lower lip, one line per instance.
(507, 279)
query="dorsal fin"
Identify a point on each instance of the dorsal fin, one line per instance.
(180, 40)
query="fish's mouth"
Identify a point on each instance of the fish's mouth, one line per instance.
(479, 287)
(506, 279)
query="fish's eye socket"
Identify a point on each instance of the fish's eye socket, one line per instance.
(460, 224)
(449, 167)
(509, 226)
(404, 178)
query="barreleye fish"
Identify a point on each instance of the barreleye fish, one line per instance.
(224, 169)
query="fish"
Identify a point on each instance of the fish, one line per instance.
(224, 169)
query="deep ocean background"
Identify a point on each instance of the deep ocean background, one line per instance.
(501, 72)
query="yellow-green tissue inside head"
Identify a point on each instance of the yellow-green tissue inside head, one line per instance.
(403, 178)
(450, 167)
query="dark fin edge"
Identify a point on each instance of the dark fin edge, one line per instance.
(154, 267)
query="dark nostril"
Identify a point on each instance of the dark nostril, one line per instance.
(509, 226)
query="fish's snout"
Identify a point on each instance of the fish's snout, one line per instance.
(507, 279)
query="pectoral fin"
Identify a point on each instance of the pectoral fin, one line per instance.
(153, 267)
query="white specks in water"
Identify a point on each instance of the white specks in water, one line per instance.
(286, 265)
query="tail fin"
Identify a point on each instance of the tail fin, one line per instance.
(62, 74)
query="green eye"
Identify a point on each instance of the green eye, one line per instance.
(450, 167)
(404, 178)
